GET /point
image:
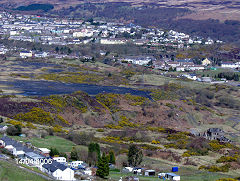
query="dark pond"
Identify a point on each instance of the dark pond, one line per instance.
(45, 88)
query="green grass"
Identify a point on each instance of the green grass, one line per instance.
(9, 172)
(61, 144)
(212, 73)
(194, 176)
(161, 80)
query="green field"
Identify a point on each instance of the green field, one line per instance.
(212, 73)
(61, 144)
(9, 172)
(201, 176)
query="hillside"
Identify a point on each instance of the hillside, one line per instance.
(205, 18)
(202, 9)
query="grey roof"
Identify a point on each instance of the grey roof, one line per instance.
(54, 166)
(17, 144)
(9, 142)
(33, 155)
(19, 148)
(6, 138)
(26, 149)
(212, 130)
(59, 165)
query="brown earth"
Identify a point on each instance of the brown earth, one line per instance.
(202, 9)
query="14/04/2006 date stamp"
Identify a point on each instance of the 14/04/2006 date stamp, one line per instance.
(34, 161)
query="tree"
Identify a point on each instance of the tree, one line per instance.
(74, 155)
(57, 49)
(94, 147)
(103, 167)
(62, 154)
(53, 152)
(14, 130)
(1, 120)
(134, 156)
(112, 157)
(93, 153)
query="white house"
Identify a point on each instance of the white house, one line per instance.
(150, 173)
(180, 69)
(13, 33)
(113, 41)
(83, 33)
(3, 128)
(88, 172)
(35, 158)
(58, 171)
(169, 176)
(75, 164)
(41, 54)
(196, 67)
(60, 159)
(127, 169)
(229, 65)
(16, 151)
(44, 151)
(25, 54)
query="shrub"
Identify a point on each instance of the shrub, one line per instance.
(36, 115)
(227, 179)
(62, 120)
(214, 168)
(14, 130)
(155, 142)
(158, 129)
(150, 147)
(30, 125)
(109, 101)
(136, 100)
(100, 130)
(57, 129)
(216, 146)
(13, 122)
(186, 154)
(81, 138)
(224, 159)
(199, 146)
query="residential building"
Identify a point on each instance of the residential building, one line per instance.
(26, 54)
(229, 65)
(206, 62)
(61, 160)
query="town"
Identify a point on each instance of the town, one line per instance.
(92, 99)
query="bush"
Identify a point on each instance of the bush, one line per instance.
(214, 168)
(198, 146)
(57, 129)
(14, 130)
(30, 125)
(216, 146)
(36, 115)
(155, 142)
(100, 130)
(224, 159)
(227, 179)
(81, 138)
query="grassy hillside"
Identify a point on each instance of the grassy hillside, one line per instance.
(9, 172)
(61, 144)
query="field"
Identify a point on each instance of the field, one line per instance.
(61, 144)
(9, 172)
(201, 176)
